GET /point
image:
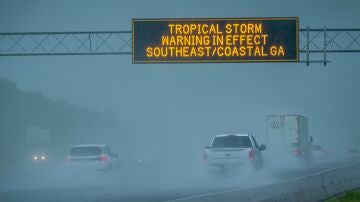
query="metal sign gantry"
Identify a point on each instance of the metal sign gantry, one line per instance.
(317, 42)
(65, 43)
(326, 41)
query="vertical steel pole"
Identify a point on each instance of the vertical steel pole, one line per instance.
(307, 45)
(325, 44)
(90, 42)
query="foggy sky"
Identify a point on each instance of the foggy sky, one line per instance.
(175, 102)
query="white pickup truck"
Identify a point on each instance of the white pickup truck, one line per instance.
(230, 150)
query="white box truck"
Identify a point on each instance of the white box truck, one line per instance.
(289, 132)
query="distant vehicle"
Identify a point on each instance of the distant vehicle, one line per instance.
(39, 158)
(289, 133)
(319, 153)
(354, 154)
(230, 150)
(92, 157)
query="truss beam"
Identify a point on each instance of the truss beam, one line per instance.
(315, 42)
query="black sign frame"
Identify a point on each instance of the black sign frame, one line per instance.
(135, 49)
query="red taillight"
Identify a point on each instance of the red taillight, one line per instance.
(205, 156)
(251, 154)
(103, 158)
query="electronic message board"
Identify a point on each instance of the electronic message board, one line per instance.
(215, 40)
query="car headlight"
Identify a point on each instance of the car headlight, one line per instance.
(35, 158)
(43, 157)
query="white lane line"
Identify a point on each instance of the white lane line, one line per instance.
(279, 182)
(317, 173)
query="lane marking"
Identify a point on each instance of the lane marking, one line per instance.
(279, 182)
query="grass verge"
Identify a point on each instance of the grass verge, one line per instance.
(351, 196)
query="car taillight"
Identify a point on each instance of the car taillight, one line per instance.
(103, 158)
(205, 156)
(251, 154)
(296, 152)
(67, 158)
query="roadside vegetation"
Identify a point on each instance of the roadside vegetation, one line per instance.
(351, 196)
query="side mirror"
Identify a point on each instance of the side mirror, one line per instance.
(311, 139)
(262, 147)
(207, 147)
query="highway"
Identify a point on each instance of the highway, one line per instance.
(138, 185)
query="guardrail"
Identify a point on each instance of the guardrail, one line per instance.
(322, 185)
(314, 187)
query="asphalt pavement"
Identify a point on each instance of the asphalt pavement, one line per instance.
(143, 184)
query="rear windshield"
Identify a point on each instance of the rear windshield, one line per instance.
(316, 147)
(294, 145)
(231, 142)
(85, 151)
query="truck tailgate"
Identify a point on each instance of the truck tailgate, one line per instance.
(228, 154)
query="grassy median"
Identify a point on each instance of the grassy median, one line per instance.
(351, 196)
